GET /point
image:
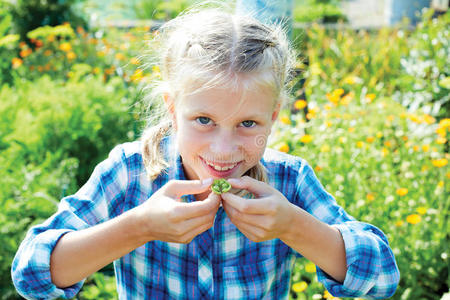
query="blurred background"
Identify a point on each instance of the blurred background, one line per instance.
(369, 111)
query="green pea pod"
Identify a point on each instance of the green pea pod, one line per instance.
(220, 186)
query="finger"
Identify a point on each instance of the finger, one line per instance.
(252, 185)
(190, 235)
(247, 206)
(252, 233)
(236, 216)
(178, 188)
(198, 208)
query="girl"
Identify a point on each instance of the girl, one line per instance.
(149, 208)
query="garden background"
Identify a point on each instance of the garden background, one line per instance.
(370, 112)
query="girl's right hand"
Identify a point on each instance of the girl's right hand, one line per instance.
(164, 217)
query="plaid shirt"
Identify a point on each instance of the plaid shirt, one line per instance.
(220, 263)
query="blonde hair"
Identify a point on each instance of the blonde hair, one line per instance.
(206, 48)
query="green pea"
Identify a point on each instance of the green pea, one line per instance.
(220, 186)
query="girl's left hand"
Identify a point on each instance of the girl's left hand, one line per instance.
(266, 217)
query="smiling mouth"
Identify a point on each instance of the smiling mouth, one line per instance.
(221, 167)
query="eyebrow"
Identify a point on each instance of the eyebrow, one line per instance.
(206, 114)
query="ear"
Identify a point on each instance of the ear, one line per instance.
(168, 100)
(276, 112)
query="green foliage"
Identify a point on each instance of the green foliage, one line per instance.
(102, 287)
(409, 67)
(325, 11)
(31, 14)
(160, 9)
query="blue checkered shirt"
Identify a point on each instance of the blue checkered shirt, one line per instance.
(220, 263)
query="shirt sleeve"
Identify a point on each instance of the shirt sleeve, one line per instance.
(371, 267)
(94, 203)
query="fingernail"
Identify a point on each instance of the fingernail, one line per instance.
(207, 181)
(234, 180)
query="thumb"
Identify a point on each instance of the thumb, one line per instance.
(178, 188)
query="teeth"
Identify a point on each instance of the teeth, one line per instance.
(218, 168)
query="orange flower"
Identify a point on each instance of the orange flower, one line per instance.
(399, 223)
(25, 52)
(402, 191)
(413, 219)
(16, 62)
(71, 55)
(370, 196)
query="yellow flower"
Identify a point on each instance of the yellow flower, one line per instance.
(333, 98)
(342, 139)
(421, 210)
(310, 267)
(384, 151)
(299, 287)
(379, 134)
(306, 139)
(429, 119)
(328, 123)
(66, 47)
(399, 223)
(359, 144)
(351, 129)
(416, 148)
(413, 219)
(156, 69)
(426, 148)
(347, 98)
(441, 183)
(338, 92)
(119, 56)
(441, 140)
(285, 120)
(444, 123)
(349, 80)
(447, 175)
(325, 148)
(370, 97)
(137, 76)
(134, 61)
(300, 104)
(402, 191)
(71, 55)
(327, 106)
(283, 147)
(370, 196)
(439, 163)
(16, 62)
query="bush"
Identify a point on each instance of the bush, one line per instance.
(52, 136)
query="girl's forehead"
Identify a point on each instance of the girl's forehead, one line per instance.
(221, 101)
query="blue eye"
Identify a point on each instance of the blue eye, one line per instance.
(203, 120)
(248, 124)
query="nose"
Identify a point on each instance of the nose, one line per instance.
(224, 145)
